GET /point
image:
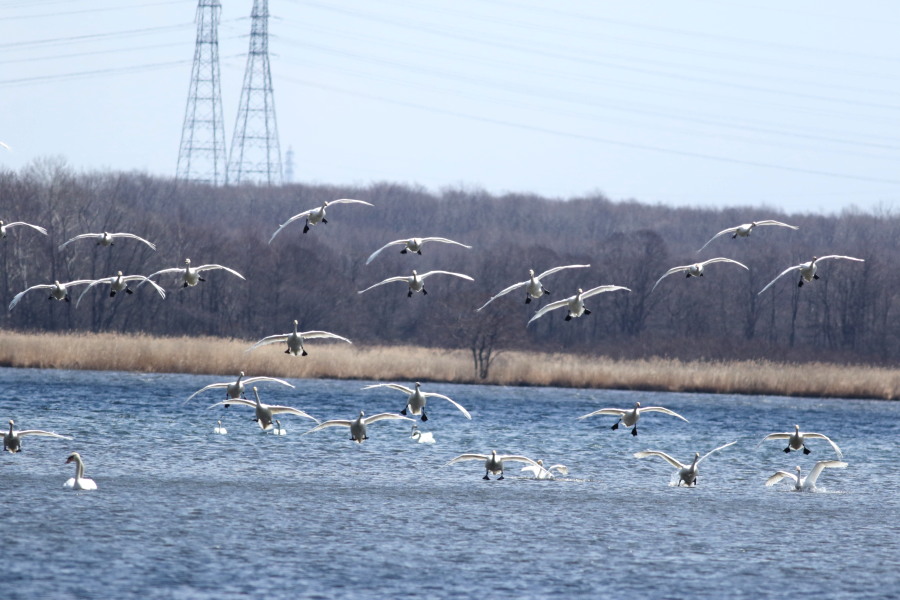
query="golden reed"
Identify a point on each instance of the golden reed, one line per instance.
(226, 357)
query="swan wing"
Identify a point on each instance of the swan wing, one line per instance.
(265, 378)
(289, 410)
(385, 247)
(504, 292)
(18, 296)
(669, 272)
(311, 335)
(445, 241)
(465, 457)
(778, 476)
(404, 278)
(775, 436)
(144, 279)
(35, 227)
(552, 306)
(723, 259)
(661, 455)
(561, 469)
(305, 213)
(92, 284)
(517, 458)
(720, 234)
(557, 269)
(821, 466)
(332, 423)
(270, 339)
(618, 412)
(778, 223)
(780, 275)
(451, 401)
(460, 275)
(839, 256)
(178, 270)
(230, 401)
(349, 201)
(211, 386)
(702, 458)
(822, 436)
(393, 386)
(601, 289)
(385, 416)
(212, 267)
(660, 409)
(134, 237)
(82, 236)
(41, 433)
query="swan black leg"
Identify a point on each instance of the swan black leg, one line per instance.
(112, 294)
(129, 291)
(800, 284)
(424, 292)
(787, 450)
(546, 292)
(815, 276)
(403, 251)
(806, 450)
(409, 294)
(486, 476)
(424, 416)
(419, 252)
(304, 353)
(325, 221)
(306, 226)
(527, 299)
(403, 412)
(615, 426)
(634, 431)
(568, 318)
(501, 476)
(587, 312)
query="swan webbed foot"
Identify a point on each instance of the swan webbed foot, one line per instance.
(815, 276)
(587, 312)
(419, 252)
(67, 298)
(486, 478)
(184, 285)
(546, 292)
(527, 299)
(325, 221)
(688, 274)
(129, 291)
(501, 477)
(424, 292)
(800, 284)
(806, 450)
(568, 318)
(306, 227)
(200, 279)
(787, 450)
(424, 416)
(403, 251)
(615, 426)
(288, 351)
(403, 412)
(112, 294)
(634, 431)
(409, 294)
(304, 353)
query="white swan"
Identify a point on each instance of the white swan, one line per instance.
(106, 239)
(118, 283)
(807, 270)
(630, 417)
(534, 288)
(415, 281)
(493, 462)
(279, 430)
(696, 269)
(12, 440)
(797, 440)
(421, 437)
(235, 389)
(416, 399)
(808, 483)
(575, 304)
(314, 216)
(358, 426)
(190, 276)
(58, 291)
(79, 482)
(219, 428)
(414, 244)
(745, 229)
(264, 412)
(4, 227)
(539, 471)
(687, 474)
(296, 338)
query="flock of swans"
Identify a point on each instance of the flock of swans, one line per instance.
(416, 399)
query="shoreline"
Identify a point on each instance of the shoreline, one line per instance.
(207, 355)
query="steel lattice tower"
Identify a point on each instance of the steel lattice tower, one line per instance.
(201, 156)
(255, 155)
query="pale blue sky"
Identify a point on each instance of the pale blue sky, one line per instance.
(793, 105)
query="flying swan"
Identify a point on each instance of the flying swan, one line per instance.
(696, 269)
(414, 244)
(12, 440)
(539, 471)
(314, 216)
(575, 304)
(687, 474)
(808, 483)
(118, 283)
(190, 276)
(79, 482)
(58, 291)
(416, 399)
(264, 412)
(415, 281)
(106, 239)
(745, 229)
(630, 417)
(534, 288)
(235, 389)
(4, 227)
(358, 426)
(493, 462)
(807, 270)
(797, 440)
(295, 340)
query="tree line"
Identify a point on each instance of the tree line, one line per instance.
(848, 315)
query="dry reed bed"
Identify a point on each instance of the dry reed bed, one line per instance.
(341, 361)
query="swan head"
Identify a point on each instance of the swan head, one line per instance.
(187, 262)
(796, 428)
(540, 461)
(418, 385)
(637, 404)
(74, 457)
(362, 414)
(580, 291)
(797, 468)
(326, 203)
(531, 272)
(241, 375)
(414, 272)
(119, 272)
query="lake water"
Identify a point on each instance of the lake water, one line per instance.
(183, 513)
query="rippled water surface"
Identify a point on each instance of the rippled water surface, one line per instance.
(183, 513)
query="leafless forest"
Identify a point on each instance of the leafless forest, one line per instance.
(849, 315)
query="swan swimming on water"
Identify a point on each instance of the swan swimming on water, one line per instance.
(421, 437)
(359, 425)
(58, 291)
(279, 430)
(79, 482)
(808, 483)
(264, 412)
(118, 283)
(687, 473)
(314, 216)
(415, 281)
(807, 270)
(696, 269)
(414, 245)
(416, 399)
(539, 471)
(296, 338)
(575, 304)
(106, 239)
(493, 462)
(190, 276)
(12, 440)
(4, 227)
(219, 428)
(235, 389)
(534, 287)
(745, 230)
(797, 440)
(630, 417)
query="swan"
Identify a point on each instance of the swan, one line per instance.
(745, 229)
(4, 227)
(630, 417)
(797, 440)
(58, 291)
(235, 389)
(422, 438)
(808, 483)
(416, 399)
(314, 216)
(696, 269)
(106, 239)
(539, 471)
(264, 412)
(414, 244)
(358, 425)
(191, 275)
(118, 283)
(575, 303)
(12, 440)
(219, 428)
(295, 340)
(279, 430)
(687, 474)
(534, 288)
(415, 281)
(807, 270)
(493, 462)
(79, 482)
